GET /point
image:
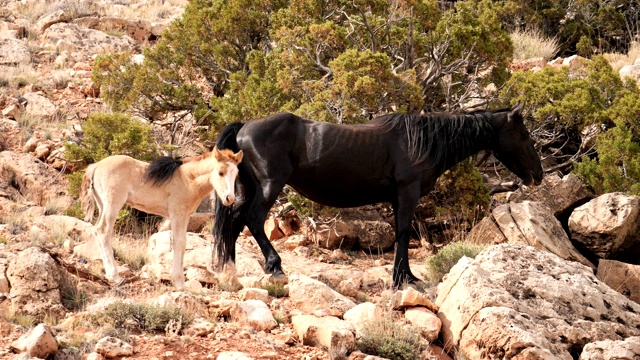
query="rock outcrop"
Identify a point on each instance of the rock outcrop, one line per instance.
(35, 280)
(561, 195)
(38, 342)
(517, 300)
(529, 223)
(24, 177)
(13, 51)
(608, 227)
(621, 277)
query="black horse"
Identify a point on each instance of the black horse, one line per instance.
(393, 158)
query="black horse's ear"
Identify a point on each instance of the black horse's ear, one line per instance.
(516, 113)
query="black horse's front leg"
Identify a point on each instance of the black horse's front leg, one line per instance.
(403, 211)
(256, 217)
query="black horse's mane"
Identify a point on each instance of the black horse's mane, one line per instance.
(438, 137)
(162, 169)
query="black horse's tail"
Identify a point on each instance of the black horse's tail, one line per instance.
(229, 219)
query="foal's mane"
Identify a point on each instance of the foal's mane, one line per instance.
(162, 169)
(435, 137)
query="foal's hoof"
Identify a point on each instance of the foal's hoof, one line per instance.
(279, 278)
(117, 281)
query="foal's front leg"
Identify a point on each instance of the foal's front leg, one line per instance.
(179, 225)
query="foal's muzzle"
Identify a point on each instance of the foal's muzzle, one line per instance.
(228, 200)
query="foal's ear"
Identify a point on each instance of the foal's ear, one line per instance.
(237, 157)
(217, 154)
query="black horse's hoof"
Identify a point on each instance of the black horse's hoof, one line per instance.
(409, 280)
(279, 278)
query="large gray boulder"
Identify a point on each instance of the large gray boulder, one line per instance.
(35, 280)
(362, 226)
(628, 349)
(515, 301)
(77, 38)
(530, 223)
(13, 51)
(608, 227)
(630, 71)
(23, 176)
(561, 195)
(621, 277)
(197, 261)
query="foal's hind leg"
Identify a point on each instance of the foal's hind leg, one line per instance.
(104, 231)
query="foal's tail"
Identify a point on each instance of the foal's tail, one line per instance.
(86, 193)
(229, 219)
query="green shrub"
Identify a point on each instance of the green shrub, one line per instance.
(560, 97)
(75, 181)
(567, 102)
(440, 264)
(149, 318)
(461, 191)
(227, 61)
(584, 47)
(305, 207)
(388, 339)
(276, 290)
(617, 166)
(75, 210)
(111, 134)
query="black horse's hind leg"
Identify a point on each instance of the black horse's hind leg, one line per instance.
(403, 210)
(255, 218)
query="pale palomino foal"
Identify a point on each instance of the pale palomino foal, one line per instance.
(168, 187)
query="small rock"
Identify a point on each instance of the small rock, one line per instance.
(331, 333)
(360, 315)
(411, 297)
(254, 294)
(39, 342)
(94, 356)
(294, 241)
(254, 313)
(112, 347)
(428, 322)
(233, 355)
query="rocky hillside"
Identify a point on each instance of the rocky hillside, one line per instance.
(559, 276)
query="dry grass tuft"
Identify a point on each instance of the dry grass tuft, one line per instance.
(530, 44)
(389, 339)
(617, 60)
(131, 252)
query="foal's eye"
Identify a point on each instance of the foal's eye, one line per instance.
(221, 173)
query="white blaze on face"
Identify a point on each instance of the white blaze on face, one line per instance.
(226, 184)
